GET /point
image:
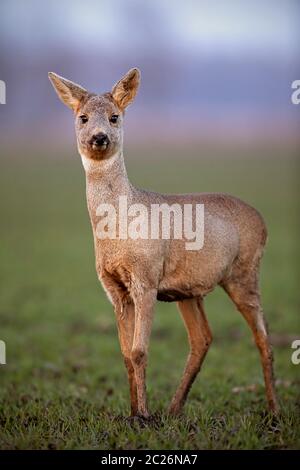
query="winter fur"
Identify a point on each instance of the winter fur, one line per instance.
(135, 273)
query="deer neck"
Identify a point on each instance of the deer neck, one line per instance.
(106, 181)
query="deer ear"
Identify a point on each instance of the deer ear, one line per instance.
(125, 90)
(69, 93)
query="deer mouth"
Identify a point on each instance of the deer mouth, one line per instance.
(97, 147)
(99, 142)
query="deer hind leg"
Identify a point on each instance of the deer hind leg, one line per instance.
(200, 338)
(245, 294)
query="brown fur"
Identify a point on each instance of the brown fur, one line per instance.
(135, 273)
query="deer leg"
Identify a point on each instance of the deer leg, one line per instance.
(144, 308)
(246, 297)
(125, 323)
(200, 338)
(125, 316)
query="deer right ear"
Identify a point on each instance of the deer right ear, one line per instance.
(69, 93)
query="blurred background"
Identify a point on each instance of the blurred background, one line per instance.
(214, 70)
(213, 113)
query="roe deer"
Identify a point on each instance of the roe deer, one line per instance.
(136, 273)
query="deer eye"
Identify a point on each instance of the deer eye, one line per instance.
(83, 118)
(114, 119)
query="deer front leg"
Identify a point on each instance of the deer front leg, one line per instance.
(144, 308)
(125, 323)
(125, 316)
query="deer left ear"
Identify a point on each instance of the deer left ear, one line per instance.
(126, 89)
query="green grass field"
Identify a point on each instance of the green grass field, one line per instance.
(65, 386)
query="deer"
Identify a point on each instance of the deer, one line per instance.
(135, 274)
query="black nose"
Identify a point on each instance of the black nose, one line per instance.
(100, 140)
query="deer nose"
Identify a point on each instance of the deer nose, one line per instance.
(100, 140)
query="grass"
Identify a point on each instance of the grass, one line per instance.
(64, 385)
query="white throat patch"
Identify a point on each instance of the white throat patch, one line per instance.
(90, 165)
